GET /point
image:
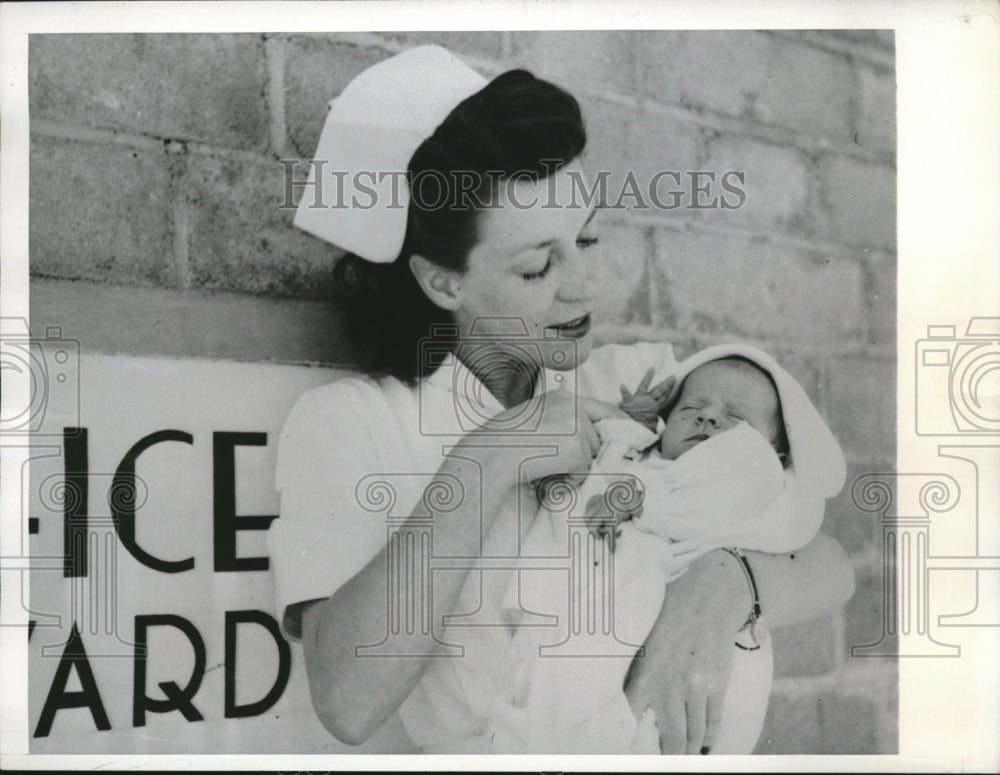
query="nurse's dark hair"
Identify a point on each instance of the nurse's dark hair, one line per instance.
(780, 441)
(515, 124)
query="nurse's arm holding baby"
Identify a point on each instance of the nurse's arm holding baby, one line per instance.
(459, 278)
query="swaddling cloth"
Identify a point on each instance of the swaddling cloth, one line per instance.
(568, 685)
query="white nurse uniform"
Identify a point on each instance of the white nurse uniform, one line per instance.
(346, 434)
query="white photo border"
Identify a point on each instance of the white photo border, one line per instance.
(949, 270)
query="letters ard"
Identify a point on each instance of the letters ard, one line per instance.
(225, 525)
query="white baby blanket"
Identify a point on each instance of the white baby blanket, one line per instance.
(730, 490)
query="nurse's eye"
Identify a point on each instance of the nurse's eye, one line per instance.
(529, 276)
(586, 242)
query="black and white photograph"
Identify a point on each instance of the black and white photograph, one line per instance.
(464, 385)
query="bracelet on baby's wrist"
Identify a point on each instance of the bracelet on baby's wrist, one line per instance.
(751, 622)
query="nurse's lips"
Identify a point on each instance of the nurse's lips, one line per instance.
(573, 328)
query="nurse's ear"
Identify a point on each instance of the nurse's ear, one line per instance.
(442, 286)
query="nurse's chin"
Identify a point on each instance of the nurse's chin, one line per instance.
(578, 328)
(565, 354)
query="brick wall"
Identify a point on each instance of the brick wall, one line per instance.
(155, 229)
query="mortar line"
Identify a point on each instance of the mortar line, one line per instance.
(275, 54)
(182, 227)
(506, 45)
(871, 56)
(665, 333)
(648, 270)
(853, 678)
(785, 136)
(140, 141)
(778, 239)
(772, 134)
(44, 128)
(373, 40)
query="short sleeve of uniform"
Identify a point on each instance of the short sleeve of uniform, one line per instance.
(322, 536)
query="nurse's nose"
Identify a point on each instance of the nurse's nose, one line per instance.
(582, 280)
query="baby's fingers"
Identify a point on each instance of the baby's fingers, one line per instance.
(626, 395)
(646, 379)
(662, 389)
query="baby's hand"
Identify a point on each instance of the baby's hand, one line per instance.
(644, 406)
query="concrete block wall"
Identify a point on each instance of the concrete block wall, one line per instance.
(156, 229)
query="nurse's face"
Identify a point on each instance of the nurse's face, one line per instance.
(533, 275)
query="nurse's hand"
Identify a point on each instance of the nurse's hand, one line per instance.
(685, 670)
(552, 434)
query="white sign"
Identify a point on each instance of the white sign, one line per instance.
(152, 607)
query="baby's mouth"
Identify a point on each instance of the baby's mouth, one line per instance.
(697, 437)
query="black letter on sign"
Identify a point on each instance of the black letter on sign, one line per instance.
(233, 618)
(226, 521)
(122, 502)
(75, 502)
(88, 697)
(177, 698)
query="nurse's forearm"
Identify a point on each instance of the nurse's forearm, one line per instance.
(354, 695)
(685, 666)
(805, 584)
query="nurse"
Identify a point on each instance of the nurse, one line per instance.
(466, 296)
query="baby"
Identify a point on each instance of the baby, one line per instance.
(714, 397)
(739, 445)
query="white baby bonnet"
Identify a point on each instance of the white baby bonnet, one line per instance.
(817, 470)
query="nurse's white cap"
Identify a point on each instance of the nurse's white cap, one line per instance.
(371, 131)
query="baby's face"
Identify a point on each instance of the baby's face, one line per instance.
(715, 397)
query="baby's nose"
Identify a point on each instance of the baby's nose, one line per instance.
(709, 416)
(713, 419)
